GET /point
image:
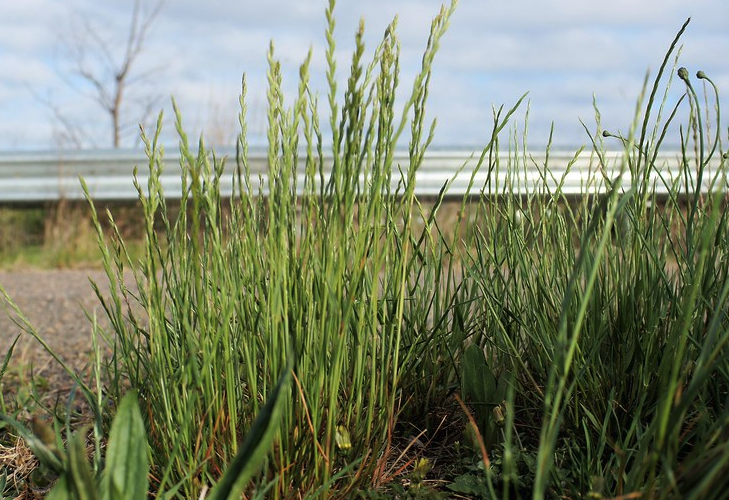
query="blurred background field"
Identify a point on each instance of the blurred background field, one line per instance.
(58, 235)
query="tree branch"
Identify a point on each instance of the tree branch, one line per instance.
(109, 80)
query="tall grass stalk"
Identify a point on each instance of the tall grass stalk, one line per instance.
(331, 267)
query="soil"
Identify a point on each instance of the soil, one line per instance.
(55, 303)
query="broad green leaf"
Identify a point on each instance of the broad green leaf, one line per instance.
(470, 484)
(257, 443)
(478, 384)
(61, 490)
(125, 476)
(82, 479)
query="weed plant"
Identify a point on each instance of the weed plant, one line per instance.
(586, 341)
(610, 317)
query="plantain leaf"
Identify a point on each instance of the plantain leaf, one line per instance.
(61, 490)
(125, 475)
(257, 443)
(478, 384)
(82, 480)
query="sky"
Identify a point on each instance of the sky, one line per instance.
(564, 53)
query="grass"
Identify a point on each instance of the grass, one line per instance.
(541, 347)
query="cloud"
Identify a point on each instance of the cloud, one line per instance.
(18, 70)
(562, 52)
(536, 15)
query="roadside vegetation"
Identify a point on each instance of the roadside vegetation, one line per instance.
(327, 337)
(59, 234)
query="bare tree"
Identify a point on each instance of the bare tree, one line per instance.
(107, 72)
(65, 131)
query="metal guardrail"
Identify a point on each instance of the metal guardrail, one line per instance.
(33, 178)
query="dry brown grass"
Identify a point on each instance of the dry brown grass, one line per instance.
(19, 463)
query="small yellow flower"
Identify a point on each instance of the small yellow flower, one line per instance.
(499, 417)
(342, 438)
(421, 469)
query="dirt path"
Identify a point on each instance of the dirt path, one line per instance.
(54, 303)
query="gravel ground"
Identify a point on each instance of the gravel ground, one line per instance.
(54, 303)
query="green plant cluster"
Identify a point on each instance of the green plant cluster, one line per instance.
(581, 346)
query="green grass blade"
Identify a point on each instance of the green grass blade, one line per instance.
(257, 442)
(8, 355)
